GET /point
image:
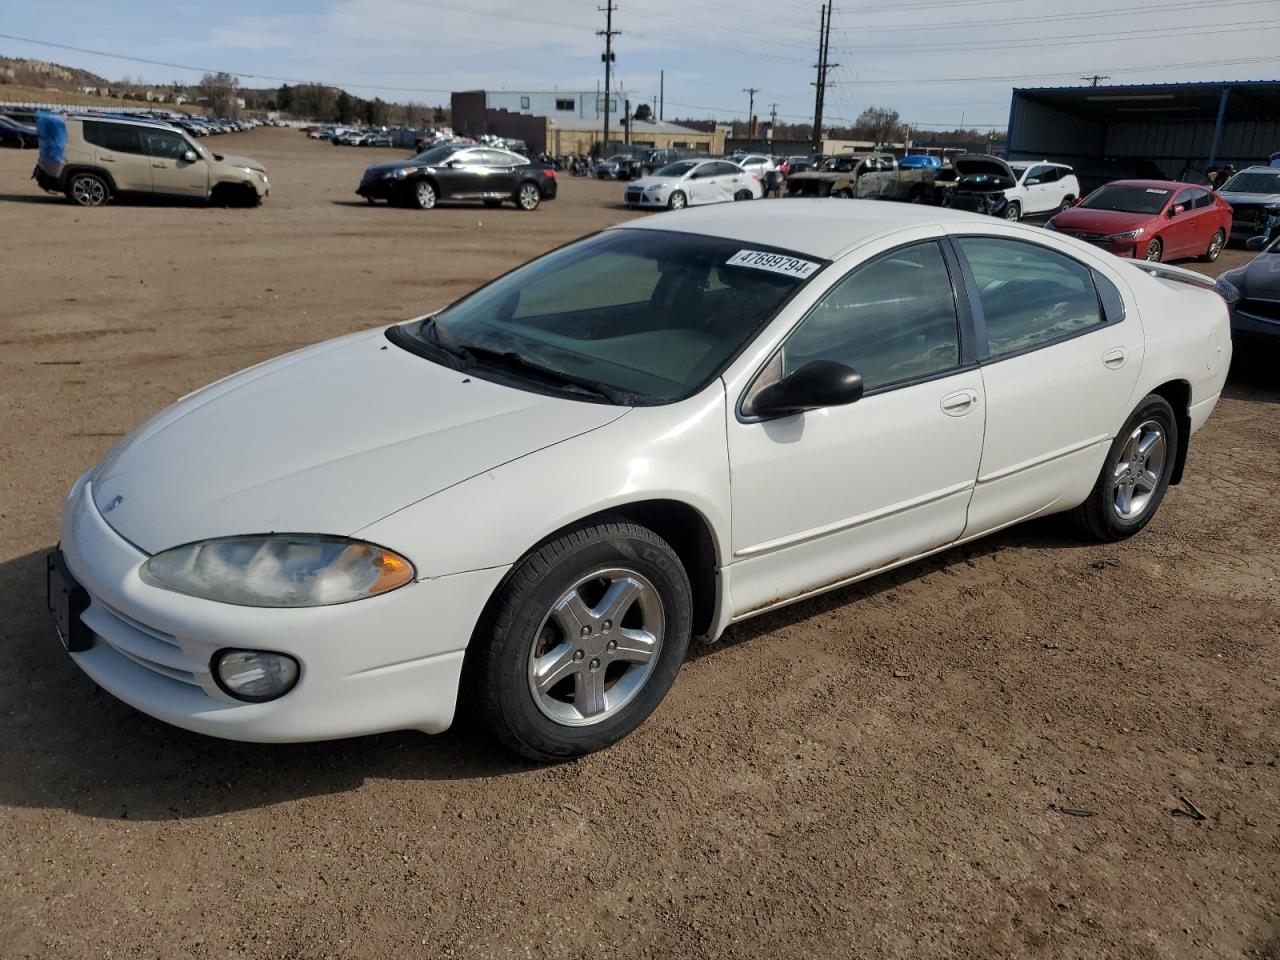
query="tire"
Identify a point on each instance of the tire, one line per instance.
(1215, 247)
(1154, 251)
(743, 195)
(528, 196)
(88, 190)
(548, 639)
(1013, 211)
(424, 195)
(677, 201)
(1109, 515)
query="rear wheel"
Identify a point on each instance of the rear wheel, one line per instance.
(528, 196)
(583, 641)
(742, 195)
(88, 190)
(1067, 204)
(1135, 475)
(678, 201)
(1154, 250)
(1215, 247)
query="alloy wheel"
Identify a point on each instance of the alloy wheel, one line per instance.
(1215, 246)
(89, 192)
(529, 196)
(1138, 471)
(426, 195)
(596, 647)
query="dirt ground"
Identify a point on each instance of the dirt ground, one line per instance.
(886, 771)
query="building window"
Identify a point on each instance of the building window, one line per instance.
(613, 105)
(565, 104)
(524, 103)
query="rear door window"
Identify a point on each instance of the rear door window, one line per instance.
(113, 136)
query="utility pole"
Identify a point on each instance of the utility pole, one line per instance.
(608, 33)
(1093, 81)
(824, 66)
(751, 112)
(662, 91)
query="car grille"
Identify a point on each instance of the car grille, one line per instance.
(633, 196)
(1091, 237)
(1263, 309)
(1248, 217)
(149, 648)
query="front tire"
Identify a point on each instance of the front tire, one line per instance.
(424, 195)
(1135, 475)
(677, 201)
(1013, 211)
(582, 641)
(88, 190)
(1154, 251)
(1215, 247)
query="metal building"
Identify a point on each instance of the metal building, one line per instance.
(1182, 127)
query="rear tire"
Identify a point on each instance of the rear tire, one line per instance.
(1215, 247)
(1135, 475)
(528, 196)
(1067, 204)
(88, 190)
(549, 673)
(743, 195)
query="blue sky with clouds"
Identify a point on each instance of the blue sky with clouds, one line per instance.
(935, 61)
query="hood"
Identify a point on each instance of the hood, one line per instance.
(244, 162)
(981, 165)
(378, 169)
(1260, 277)
(1234, 198)
(644, 183)
(1101, 221)
(326, 440)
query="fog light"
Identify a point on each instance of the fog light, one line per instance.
(255, 675)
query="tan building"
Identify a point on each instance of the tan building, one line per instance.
(566, 137)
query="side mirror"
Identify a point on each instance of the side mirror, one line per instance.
(190, 156)
(819, 383)
(1175, 210)
(1255, 243)
(1032, 181)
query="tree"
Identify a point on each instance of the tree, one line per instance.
(644, 112)
(880, 124)
(219, 89)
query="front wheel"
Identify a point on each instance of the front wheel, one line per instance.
(1135, 474)
(1215, 247)
(1154, 250)
(582, 642)
(1013, 211)
(528, 196)
(424, 195)
(678, 201)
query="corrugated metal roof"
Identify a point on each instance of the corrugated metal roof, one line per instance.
(638, 127)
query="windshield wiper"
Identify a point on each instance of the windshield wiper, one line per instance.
(513, 361)
(455, 357)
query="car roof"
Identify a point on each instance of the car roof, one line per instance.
(134, 121)
(1159, 185)
(817, 227)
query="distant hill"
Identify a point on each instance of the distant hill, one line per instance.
(38, 73)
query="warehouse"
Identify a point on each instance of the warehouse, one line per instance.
(1181, 127)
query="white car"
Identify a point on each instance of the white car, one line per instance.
(532, 499)
(688, 183)
(1040, 188)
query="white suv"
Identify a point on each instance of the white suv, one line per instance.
(1040, 188)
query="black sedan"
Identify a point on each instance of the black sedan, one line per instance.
(1252, 292)
(15, 134)
(460, 172)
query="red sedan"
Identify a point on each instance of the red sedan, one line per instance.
(1150, 220)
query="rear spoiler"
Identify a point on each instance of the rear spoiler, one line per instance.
(1163, 271)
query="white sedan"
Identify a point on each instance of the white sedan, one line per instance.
(688, 183)
(532, 499)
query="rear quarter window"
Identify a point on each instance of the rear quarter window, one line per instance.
(113, 136)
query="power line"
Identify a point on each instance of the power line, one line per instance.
(1237, 61)
(1093, 80)
(1058, 17)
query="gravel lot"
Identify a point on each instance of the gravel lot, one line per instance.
(880, 772)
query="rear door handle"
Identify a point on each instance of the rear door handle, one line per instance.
(958, 404)
(107, 159)
(1114, 359)
(160, 165)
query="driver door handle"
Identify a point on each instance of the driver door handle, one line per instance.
(958, 404)
(1114, 359)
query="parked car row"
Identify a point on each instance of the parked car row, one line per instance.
(14, 133)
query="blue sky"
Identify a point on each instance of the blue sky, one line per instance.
(925, 58)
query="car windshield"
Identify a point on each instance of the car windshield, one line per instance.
(617, 158)
(643, 316)
(677, 169)
(1127, 199)
(1253, 182)
(437, 154)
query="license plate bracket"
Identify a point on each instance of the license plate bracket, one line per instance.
(67, 600)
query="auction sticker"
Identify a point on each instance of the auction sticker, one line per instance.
(774, 262)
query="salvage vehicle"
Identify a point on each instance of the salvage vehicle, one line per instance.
(1254, 195)
(522, 503)
(1095, 172)
(93, 158)
(1150, 220)
(617, 167)
(15, 134)
(863, 177)
(1252, 292)
(691, 183)
(460, 172)
(990, 186)
(648, 164)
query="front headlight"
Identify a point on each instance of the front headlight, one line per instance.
(279, 570)
(1226, 289)
(1130, 235)
(1049, 226)
(398, 174)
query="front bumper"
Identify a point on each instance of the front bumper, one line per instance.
(378, 189)
(385, 663)
(642, 198)
(1259, 318)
